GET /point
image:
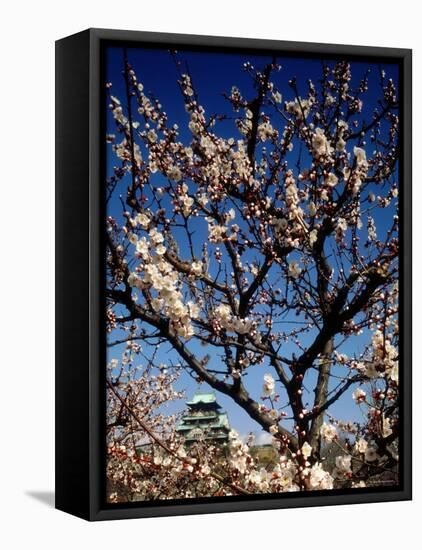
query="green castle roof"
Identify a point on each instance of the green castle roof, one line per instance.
(202, 398)
(221, 422)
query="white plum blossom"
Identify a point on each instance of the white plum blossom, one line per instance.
(331, 180)
(343, 463)
(142, 247)
(341, 228)
(143, 220)
(238, 452)
(160, 250)
(203, 199)
(216, 233)
(277, 97)
(384, 359)
(394, 373)
(386, 427)
(194, 309)
(156, 237)
(269, 385)
(319, 479)
(265, 131)
(133, 239)
(300, 108)
(371, 453)
(244, 126)
(187, 203)
(328, 432)
(320, 143)
(361, 445)
(152, 136)
(313, 237)
(360, 155)
(230, 322)
(133, 279)
(306, 450)
(174, 173)
(196, 268)
(294, 269)
(358, 484)
(359, 395)
(342, 129)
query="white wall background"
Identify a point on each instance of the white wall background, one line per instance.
(28, 31)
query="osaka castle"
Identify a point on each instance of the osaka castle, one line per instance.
(204, 419)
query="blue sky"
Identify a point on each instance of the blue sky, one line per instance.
(213, 74)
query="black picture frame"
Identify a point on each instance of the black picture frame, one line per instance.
(80, 378)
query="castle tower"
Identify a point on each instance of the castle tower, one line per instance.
(204, 419)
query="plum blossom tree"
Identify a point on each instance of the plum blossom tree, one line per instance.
(281, 237)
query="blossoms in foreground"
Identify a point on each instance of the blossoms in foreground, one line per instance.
(328, 432)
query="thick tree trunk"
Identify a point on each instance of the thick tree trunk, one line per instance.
(321, 394)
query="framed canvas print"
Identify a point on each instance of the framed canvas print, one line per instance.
(233, 274)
